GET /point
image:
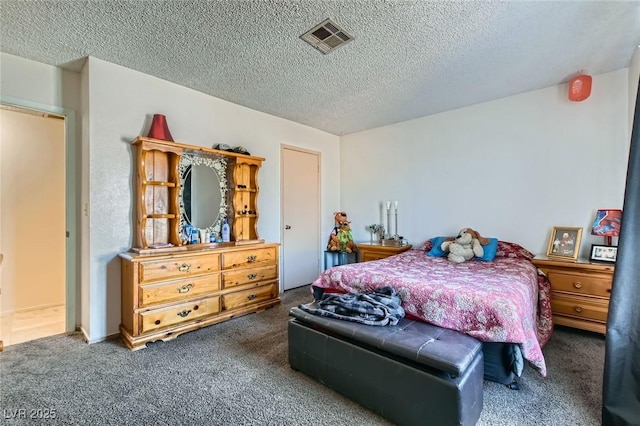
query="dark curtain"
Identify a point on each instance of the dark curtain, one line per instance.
(621, 385)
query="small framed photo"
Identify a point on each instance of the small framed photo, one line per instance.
(603, 253)
(564, 243)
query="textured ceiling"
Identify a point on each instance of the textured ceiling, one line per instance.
(408, 59)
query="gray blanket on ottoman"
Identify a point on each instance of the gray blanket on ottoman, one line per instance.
(379, 307)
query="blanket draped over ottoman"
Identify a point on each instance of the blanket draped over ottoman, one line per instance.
(379, 307)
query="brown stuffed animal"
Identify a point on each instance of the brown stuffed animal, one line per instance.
(465, 246)
(341, 238)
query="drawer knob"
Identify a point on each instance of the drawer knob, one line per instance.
(252, 258)
(252, 296)
(184, 313)
(578, 309)
(577, 284)
(157, 322)
(252, 276)
(185, 288)
(184, 267)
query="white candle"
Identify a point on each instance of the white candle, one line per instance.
(388, 205)
(396, 204)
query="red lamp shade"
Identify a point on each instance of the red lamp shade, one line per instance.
(580, 88)
(159, 128)
(607, 224)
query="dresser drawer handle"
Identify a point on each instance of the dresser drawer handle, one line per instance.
(252, 276)
(577, 284)
(252, 296)
(184, 313)
(578, 309)
(185, 288)
(157, 322)
(252, 258)
(184, 267)
(608, 290)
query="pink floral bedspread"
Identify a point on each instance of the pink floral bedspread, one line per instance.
(504, 300)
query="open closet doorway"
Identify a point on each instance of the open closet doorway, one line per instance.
(33, 279)
(300, 216)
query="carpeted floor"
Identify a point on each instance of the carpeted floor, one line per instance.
(237, 373)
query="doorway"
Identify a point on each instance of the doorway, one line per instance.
(33, 277)
(300, 206)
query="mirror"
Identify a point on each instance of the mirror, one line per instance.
(203, 192)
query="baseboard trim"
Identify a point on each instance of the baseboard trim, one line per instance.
(89, 341)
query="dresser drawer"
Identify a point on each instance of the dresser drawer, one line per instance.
(576, 282)
(162, 270)
(184, 312)
(244, 298)
(252, 257)
(152, 294)
(248, 275)
(580, 307)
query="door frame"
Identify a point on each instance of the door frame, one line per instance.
(71, 223)
(318, 154)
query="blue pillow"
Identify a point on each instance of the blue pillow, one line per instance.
(436, 251)
(489, 250)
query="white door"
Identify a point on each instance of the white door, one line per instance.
(300, 216)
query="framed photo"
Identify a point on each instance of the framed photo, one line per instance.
(603, 253)
(564, 243)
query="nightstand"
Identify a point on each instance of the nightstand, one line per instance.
(375, 251)
(336, 258)
(580, 292)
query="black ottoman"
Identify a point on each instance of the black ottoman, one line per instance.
(412, 373)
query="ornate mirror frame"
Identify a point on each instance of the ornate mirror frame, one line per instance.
(219, 165)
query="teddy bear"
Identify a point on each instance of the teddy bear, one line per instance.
(341, 238)
(465, 246)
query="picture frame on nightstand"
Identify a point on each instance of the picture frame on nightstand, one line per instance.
(564, 243)
(601, 253)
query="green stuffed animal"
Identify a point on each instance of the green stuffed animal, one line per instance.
(345, 238)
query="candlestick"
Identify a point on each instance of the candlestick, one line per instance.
(396, 227)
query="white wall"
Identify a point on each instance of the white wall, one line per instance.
(634, 72)
(113, 105)
(120, 103)
(43, 87)
(511, 168)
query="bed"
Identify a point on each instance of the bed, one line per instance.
(504, 303)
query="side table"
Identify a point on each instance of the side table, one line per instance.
(375, 251)
(335, 258)
(580, 292)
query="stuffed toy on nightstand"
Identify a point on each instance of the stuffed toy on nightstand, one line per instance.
(341, 238)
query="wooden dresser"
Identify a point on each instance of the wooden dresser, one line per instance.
(374, 251)
(164, 296)
(172, 283)
(580, 292)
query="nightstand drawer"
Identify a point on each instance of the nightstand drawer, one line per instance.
(580, 307)
(576, 282)
(371, 251)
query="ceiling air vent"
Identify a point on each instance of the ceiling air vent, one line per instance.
(327, 36)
